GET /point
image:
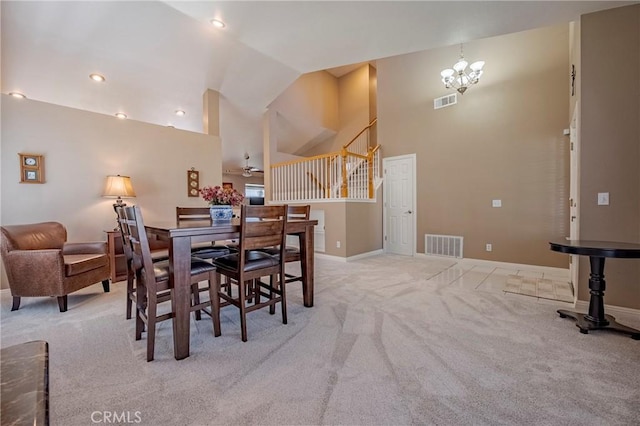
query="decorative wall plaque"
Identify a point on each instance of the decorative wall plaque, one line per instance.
(193, 183)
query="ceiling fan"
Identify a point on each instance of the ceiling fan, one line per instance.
(247, 170)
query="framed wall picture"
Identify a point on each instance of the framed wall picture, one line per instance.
(193, 183)
(227, 185)
(31, 168)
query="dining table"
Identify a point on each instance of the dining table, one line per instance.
(181, 236)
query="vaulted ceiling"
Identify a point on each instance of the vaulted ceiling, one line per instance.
(159, 57)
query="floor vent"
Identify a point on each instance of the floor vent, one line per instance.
(445, 101)
(443, 245)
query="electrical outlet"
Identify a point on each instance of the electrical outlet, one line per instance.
(489, 247)
(496, 203)
(337, 244)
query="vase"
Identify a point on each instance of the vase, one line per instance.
(221, 213)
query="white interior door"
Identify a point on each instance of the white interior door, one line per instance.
(399, 204)
(574, 193)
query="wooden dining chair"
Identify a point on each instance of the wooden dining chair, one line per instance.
(125, 233)
(128, 254)
(260, 226)
(152, 280)
(199, 214)
(292, 253)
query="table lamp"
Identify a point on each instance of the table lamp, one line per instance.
(119, 187)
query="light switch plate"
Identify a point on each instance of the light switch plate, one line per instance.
(603, 198)
(496, 203)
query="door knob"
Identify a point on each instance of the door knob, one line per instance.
(409, 211)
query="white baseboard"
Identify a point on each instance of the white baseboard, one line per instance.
(583, 306)
(348, 259)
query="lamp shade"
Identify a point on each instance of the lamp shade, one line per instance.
(118, 186)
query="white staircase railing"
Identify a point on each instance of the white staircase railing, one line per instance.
(329, 176)
(353, 173)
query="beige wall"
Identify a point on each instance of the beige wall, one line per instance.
(503, 140)
(364, 226)
(335, 219)
(354, 110)
(610, 144)
(80, 149)
(306, 113)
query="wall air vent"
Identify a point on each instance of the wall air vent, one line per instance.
(443, 245)
(445, 101)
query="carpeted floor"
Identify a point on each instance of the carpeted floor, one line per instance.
(390, 341)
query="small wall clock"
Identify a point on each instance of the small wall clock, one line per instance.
(31, 168)
(193, 183)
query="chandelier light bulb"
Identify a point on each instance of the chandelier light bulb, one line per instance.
(460, 65)
(447, 73)
(477, 66)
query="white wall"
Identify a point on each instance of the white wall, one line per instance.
(80, 149)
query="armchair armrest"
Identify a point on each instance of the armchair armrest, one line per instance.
(95, 247)
(35, 272)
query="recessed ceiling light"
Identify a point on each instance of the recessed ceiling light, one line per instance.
(97, 77)
(180, 113)
(17, 95)
(217, 23)
(121, 115)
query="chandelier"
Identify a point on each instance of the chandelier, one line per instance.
(458, 78)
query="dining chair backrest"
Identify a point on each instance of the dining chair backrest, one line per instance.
(298, 212)
(123, 226)
(139, 241)
(261, 226)
(192, 213)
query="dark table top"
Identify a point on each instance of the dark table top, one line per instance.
(597, 248)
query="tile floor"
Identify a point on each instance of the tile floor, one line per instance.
(541, 283)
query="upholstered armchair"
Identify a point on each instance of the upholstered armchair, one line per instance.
(39, 262)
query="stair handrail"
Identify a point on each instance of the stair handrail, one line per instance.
(347, 145)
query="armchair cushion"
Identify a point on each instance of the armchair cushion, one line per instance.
(75, 264)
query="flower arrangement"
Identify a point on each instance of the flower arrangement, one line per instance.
(219, 196)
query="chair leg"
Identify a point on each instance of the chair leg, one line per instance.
(255, 288)
(152, 312)
(130, 292)
(16, 303)
(105, 286)
(243, 312)
(272, 308)
(195, 290)
(214, 289)
(283, 298)
(62, 303)
(140, 306)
